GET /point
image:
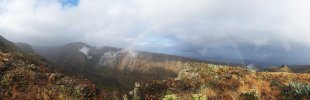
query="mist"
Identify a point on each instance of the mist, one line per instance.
(259, 32)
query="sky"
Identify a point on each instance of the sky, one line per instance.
(243, 31)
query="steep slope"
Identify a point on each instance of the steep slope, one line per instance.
(114, 67)
(7, 46)
(68, 57)
(25, 77)
(110, 66)
(199, 81)
(25, 47)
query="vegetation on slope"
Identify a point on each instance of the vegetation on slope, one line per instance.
(288, 68)
(24, 77)
(27, 76)
(215, 82)
(113, 67)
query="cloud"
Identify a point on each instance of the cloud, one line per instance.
(199, 28)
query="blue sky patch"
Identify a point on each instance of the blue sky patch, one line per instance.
(71, 3)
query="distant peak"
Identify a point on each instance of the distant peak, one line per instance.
(79, 44)
(22, 43)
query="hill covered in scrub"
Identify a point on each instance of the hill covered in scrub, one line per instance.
(199, 81)
(25, 76)
(289, 68)
(117, 68)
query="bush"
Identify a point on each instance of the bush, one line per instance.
(19, 76)
(171, 97)
(275, 83)
(222, 85)
(220, 97)
(252, 95)
(74, 91)
(198, 97)
(296, 90)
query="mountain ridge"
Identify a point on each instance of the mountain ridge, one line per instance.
(28, 76)
(119, 66)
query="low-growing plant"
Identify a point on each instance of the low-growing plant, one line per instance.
(48, 92)
(222, 85)
(71, 90)
(251, 95)
(198, 97)
(296, 90)
(171, 97)
(275, 83)
(20, 76)
(220, 97)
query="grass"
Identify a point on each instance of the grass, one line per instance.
(24, 78)
(217, 82)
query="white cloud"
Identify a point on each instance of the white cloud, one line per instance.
(85, 51)
(187, 24)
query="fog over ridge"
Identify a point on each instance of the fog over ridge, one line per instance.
(242, 31)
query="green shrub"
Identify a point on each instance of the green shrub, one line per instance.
(275, 83)
(72, 90)
(251, 95)
(296, 90)
(198, 97)
(171, 97)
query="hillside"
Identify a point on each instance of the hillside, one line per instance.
(114, 67)
(25, 47)
(24, 77)
(149, 76)
(199, 81)
(118, 68)
(289, 68)
(300, 68)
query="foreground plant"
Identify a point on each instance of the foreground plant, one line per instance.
(171, 97)
(296, 90)
(198, 97)
(251, 95)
